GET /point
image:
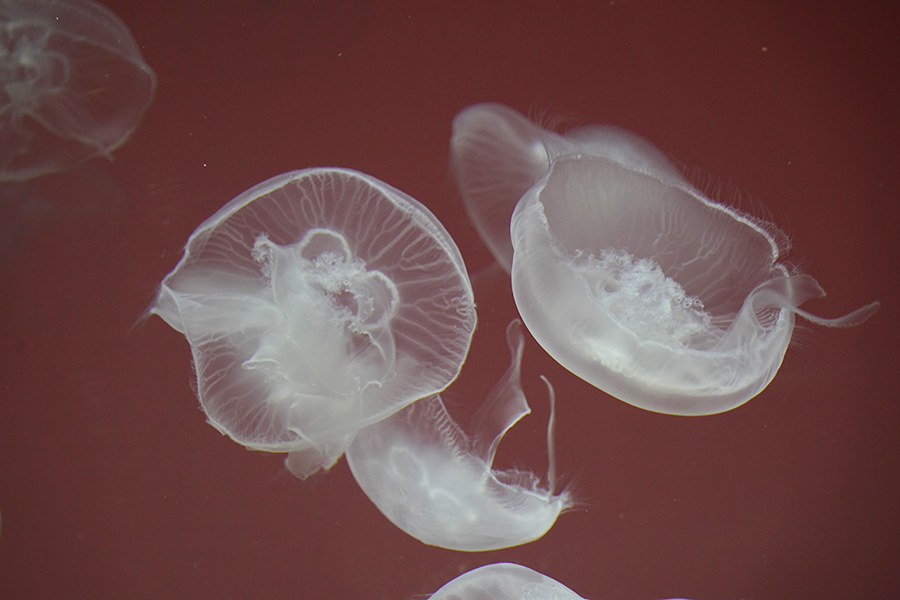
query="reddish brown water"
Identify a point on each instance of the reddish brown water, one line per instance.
(113, 486)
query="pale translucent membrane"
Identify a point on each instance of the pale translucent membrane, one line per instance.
(497, 155)
(505, 581)
(316, 303)
(629, 276)
(73, 85)
(436, 483)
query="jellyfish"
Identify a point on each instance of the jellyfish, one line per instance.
(316, 303)
(436, 483)
(73, 85)
(623, 271)
(504, 581)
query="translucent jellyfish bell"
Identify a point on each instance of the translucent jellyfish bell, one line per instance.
(73, 85)
(496, 156)
(504, 581)
(436, 483)
(624, 272)
(316, 303)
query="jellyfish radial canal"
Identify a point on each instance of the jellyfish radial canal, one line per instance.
(623, 271)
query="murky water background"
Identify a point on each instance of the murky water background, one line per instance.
(113, 486)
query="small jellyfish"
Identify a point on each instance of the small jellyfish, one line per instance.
(436, 483)
(623, 271)
(505, 581)
(316, 303)
(73, 85)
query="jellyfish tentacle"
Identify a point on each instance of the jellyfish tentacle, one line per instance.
(505, 405)
(789, 292)
(851, 319)
(551, 438)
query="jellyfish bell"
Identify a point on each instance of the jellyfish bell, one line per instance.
(629, 276)
(652, 292)
(661, 297)
(437, 484)
(316, 303)
(497, 155)
(504, 581)
(73, 85)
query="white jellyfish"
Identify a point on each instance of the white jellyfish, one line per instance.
(623, 271)
(505, 581)
(73, 85)
(436, 483)
(316, 303)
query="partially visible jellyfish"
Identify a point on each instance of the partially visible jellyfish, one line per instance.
(316, 303)
(73, 85)
(496, 155)
(623, 271)
(436, 483)
(505, 581)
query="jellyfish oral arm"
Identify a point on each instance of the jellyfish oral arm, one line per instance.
(791, 291)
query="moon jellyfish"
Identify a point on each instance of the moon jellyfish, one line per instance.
(436, 483)
(73, 85)
(316, 303)
(624, 272)
(504, 581)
